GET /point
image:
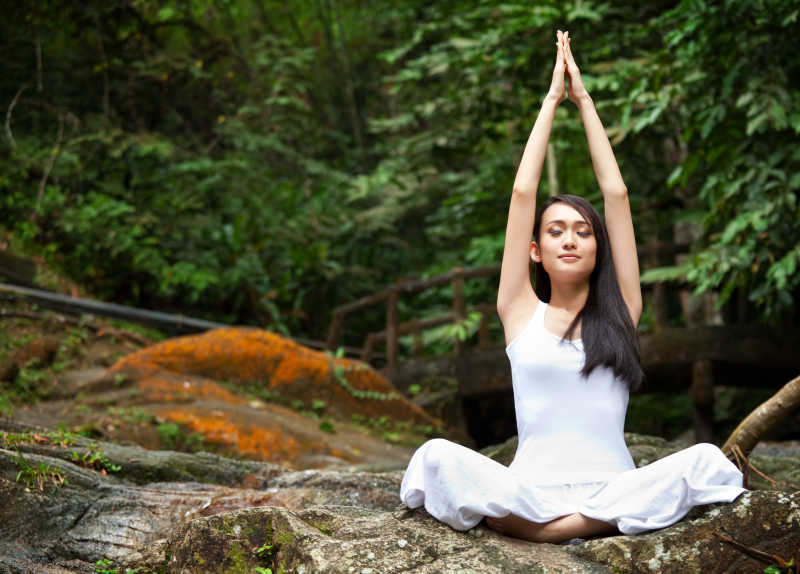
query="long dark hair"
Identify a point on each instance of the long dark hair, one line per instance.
(607, 330)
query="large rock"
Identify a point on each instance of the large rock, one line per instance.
(122, 505)
(195, 513)
(249, 356)
(346, 539)
(336, 539)
(765, 521)
(243, 392)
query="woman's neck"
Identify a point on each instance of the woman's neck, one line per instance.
(570, 297)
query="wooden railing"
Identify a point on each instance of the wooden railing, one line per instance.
(417, 326)
(393, 330)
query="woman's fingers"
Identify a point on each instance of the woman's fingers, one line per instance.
(559, 46)
(557, 87)
(568, 51)
(576, 88)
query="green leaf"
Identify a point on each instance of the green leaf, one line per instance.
(756, 123)
(660, 274)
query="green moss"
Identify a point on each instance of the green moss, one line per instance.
(284, 537)
(323, 526)
(236, 561)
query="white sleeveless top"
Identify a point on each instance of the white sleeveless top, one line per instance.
(571, 428)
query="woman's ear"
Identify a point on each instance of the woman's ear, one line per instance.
(536, 256)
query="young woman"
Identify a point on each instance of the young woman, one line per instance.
(574, 357)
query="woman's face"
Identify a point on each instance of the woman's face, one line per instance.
(566, 246)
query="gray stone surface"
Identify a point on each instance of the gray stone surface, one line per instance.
(331, 520)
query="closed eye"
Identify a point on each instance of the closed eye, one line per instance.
(557, 232)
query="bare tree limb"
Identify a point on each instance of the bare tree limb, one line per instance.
(746, 466)
(50, 162)
(765, 557)
(13, 103)
(763, 418)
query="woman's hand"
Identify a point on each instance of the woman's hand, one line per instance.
(577, 92)
(557, 89)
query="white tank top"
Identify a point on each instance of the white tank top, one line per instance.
(571, 428)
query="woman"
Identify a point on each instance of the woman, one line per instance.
(574, 357)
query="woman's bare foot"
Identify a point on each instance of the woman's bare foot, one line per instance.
(517, 527)
(556, 531)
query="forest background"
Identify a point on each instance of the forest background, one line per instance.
(263, 162)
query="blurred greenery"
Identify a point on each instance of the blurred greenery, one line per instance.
(263, 162)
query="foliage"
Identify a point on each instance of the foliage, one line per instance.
(732, 89)
(39, 475)
(263, 162)
(340, 374)
(265, 550)
(96, 459)
(5, 405)
(780, 568)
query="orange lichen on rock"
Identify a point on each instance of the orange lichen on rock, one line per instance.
(265, 442)
(232, 430)
(256, 357)
(166, 387)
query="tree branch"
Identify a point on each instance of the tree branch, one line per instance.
(13, 103)
(763, 418)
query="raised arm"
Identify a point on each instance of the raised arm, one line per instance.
(615, 194)
(515, 297)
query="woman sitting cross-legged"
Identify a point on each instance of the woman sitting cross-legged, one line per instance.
(574, 357)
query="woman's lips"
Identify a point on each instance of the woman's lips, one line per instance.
(568, 257)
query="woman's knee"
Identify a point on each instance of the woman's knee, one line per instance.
(436, 450)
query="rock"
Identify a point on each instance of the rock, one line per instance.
(72, 382)
(138, 465)
(764, 521)
(779, 461)
(80, 515)
(205, 513)
(346, 540)
(503, 452)
(229, 391)
(248, 356)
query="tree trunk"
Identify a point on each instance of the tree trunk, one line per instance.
(763, 418)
